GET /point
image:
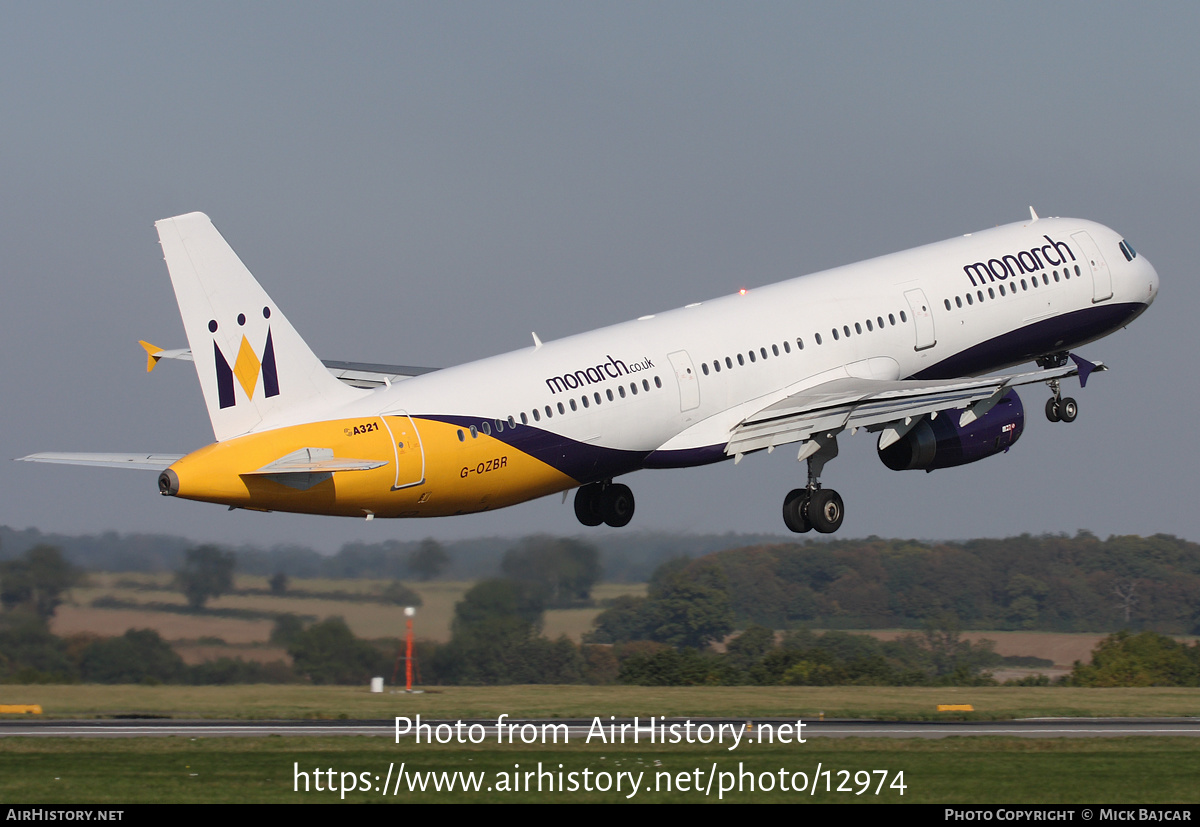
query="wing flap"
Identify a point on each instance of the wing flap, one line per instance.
(876, 405)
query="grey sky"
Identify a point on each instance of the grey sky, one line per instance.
(425, 183)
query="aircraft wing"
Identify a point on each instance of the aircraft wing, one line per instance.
(366, 375)
(139, 462)
(878, 405)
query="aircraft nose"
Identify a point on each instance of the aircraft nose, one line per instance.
(1151, 278)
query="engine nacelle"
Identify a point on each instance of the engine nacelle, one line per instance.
(941, 443)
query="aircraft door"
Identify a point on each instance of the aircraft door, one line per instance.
(1101, 275)
(685, 377)
(409, 453)
(922, 313)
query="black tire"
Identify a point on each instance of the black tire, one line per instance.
(1052, 410)
(1068, 409)
(825, 511)
(616, 504)
(587, 505)
(794, 507)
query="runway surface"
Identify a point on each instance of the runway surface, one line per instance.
(578, 729)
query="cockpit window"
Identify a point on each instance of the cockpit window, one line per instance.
(1127, 249)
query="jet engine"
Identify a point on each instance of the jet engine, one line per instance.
(941, 443)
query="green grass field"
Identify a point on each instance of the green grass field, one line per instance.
(885, 703)
(264, 770)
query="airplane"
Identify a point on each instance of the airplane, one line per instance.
(906, 346)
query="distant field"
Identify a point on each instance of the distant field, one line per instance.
(366, 619)
(885, 703)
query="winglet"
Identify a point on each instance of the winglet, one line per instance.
(1085, 368)
(152, 356)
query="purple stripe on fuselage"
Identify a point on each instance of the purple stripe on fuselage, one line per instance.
(1025, 344)
(580, 461)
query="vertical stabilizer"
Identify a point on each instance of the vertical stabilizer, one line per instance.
(252, 364)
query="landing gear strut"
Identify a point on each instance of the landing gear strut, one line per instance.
(814, 507)
(1060, 408)
(604, 502)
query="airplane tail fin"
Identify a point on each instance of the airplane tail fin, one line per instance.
(252, 364)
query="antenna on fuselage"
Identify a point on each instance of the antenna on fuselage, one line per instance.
(1033, 216)
(537, 343)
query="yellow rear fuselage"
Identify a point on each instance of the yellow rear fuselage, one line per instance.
(429, 469)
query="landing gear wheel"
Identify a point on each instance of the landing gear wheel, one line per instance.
(825, 510)
(1068, 409)
(587, 505)
(1053, 413)
(795, 504)
(616, 505)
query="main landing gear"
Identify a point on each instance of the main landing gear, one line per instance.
(604, 502)
(814, 507)
(1060, 408)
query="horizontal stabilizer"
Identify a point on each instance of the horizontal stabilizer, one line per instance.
(315, 461)
(140, 462)
(154, 353)
(366, 375)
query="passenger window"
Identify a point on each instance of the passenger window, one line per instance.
(597, 395)
(879, 321)
(763, 351)
(869, 326)
(512, 423)
(752, 359)
(621, 391)
(947, 304)
(903, 317)
(461, 436)
(633, 388)
(835, 334)
(969, 299)
(608, 393)
(524, 418)
(704, 368)
(991, 293)
(561, 409)
(858, 328)
(741, 360)
(584, 400)
(958, 302)
(646, 384)
(1046, 279)
(474, 433)
(499, 426)
(549, 413)
(729, 362)
(657, 382)
(774, 349)
(1077, 270)
(486, 428)
(891, 320)
(1056, 275)
(979, 293)
(846, 330)
(786, 347)
(817, 336)
(1002, 290)
(717, 365)
(537, 417)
